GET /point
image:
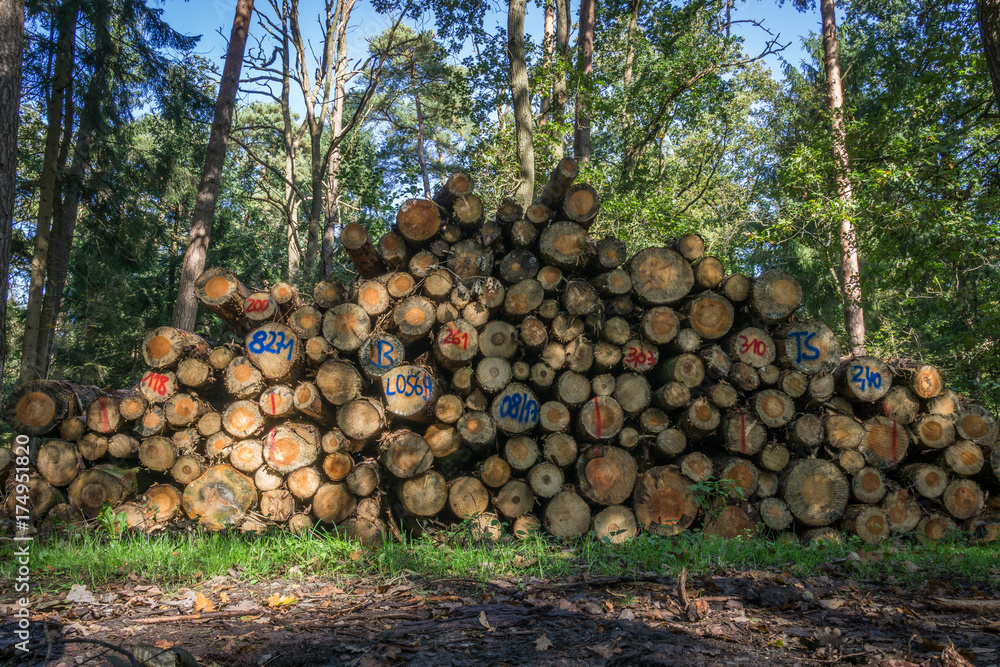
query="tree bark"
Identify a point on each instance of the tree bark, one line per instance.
(61, 82)
(559, 97)
(585, 44)
(850, 270)
(522, 102)
(64, 223)
(186, 311)
(549, 50)
(11, 39)
(989, 29)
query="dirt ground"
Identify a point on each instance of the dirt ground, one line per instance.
(735, 618)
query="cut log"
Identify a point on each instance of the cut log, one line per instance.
(807, 430)
(963, 499)
(934, 431)
(448, 408)
(393, 251)
(260, 307)
(565, 245)
(92, 446)
(699, 419)
(291, 446)
(308, 400)
(606, 475)
(103, 416)
(333, 502)
(363, 479)
(580, 298)
(925, 380)
(567, 515)
(560, 449)
(735, 287)
(361, 419)
(425, 494)
(186, 469)
(339, 382)
(884, 443)
(901, 510)
(660, 276)
(277, 505)
(743, 434)
(731, 522)
(740, 477)
(696, 466)
(809, 346)
(242, 379)
(222, 293)
(664, 502)
(633, 393)
(158, 386)
(794, 383)
(516, 410)
(963, 458)
(851, 461)
(613, 283)
(671, 396)
(184, 410)
(581, 204)
(438, 285)
(775, 514)
(752, 346)
(243, 419)
(521, 452)
(373, 297)
(843, 431)
(217, 445)
(494, 472)
(477, 430)
(775, 295)
(545, 479)
(194, 373)
(443, 439)
(186, 440)
(976, 423)
(328, 294)
(863, 379)
(247, 456)
(816, 492)
(498, 339)
(514, 499)
(867, 522)
(615, 525)
(163, 347)
(600, 419)
(303, 483)
(455, 344)
(275, 350)
(710, 315)
(559, 182)
(346, 326)
(523, 298)
(470, 261)
(670, 442)
(122, 445)
(935, 527)
(774, 408)
(774, 457)
(868, 485)
(130, 407)
(722, 395)
(493, 374)
(153, 422)
(58, 462)
(37, 407)
(361, 250)
(769, 375)
(157, 453)
(92, 489)
(418, 220)
(928, 480)
(410, 393)
(405, 454)
(467, 498)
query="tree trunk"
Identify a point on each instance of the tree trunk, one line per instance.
(522, 102)
(186, 311)
(559, 97)
(850, 272)
(549, 49)
(11, 38)
(333, 219)
(989, 29)
(585, 43)
(61, 82)
(289, 136)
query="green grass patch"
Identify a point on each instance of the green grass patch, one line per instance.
(175, 559)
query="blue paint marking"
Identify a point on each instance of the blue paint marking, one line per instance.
(519, 407)
(275, 344)
(811, 351)
(865, 376)
(414, 384)
(383, 354)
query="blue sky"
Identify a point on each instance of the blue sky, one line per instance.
(209, 17)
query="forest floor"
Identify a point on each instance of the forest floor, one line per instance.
(829, 607)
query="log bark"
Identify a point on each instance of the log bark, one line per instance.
(361, 250)
(223, 294)
(664, 502)
(418, 221)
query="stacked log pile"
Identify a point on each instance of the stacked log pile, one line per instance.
(511, 370)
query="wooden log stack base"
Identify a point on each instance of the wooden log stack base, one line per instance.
(510, 367)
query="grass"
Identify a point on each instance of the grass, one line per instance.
(176, 559)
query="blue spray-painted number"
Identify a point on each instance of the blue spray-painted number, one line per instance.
(414, 384)
(384, 357)
(802, 339)
(865, 376)
(519, 407)
(275, 344)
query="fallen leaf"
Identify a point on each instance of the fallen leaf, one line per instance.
(224, 597)
(832, 603)
(355, 555)
(202, 603)
(79, 593)
(543, 643)
(606, 651)
(281, 600)
(163, 643)
(483, 622)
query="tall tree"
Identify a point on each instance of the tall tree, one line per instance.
(585, 47)
(11, 39)
(989, 28)
(850, 267)
(522, 102)
(186, 310)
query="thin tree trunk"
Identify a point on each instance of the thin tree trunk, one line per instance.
(559, 95)
(522, 103)
(633, 26)
(11, 40)
(548, 50)
(64, 227)
(288, 135)
(211, 177)
(989, 29)
(61, 81)
(585, 44)
(850, 272)
(421, 158)
(331, 231)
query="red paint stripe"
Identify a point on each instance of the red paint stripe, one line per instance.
(274, 408)
(597, 407)
(105, 424)
(894, 439)
(743, 433)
